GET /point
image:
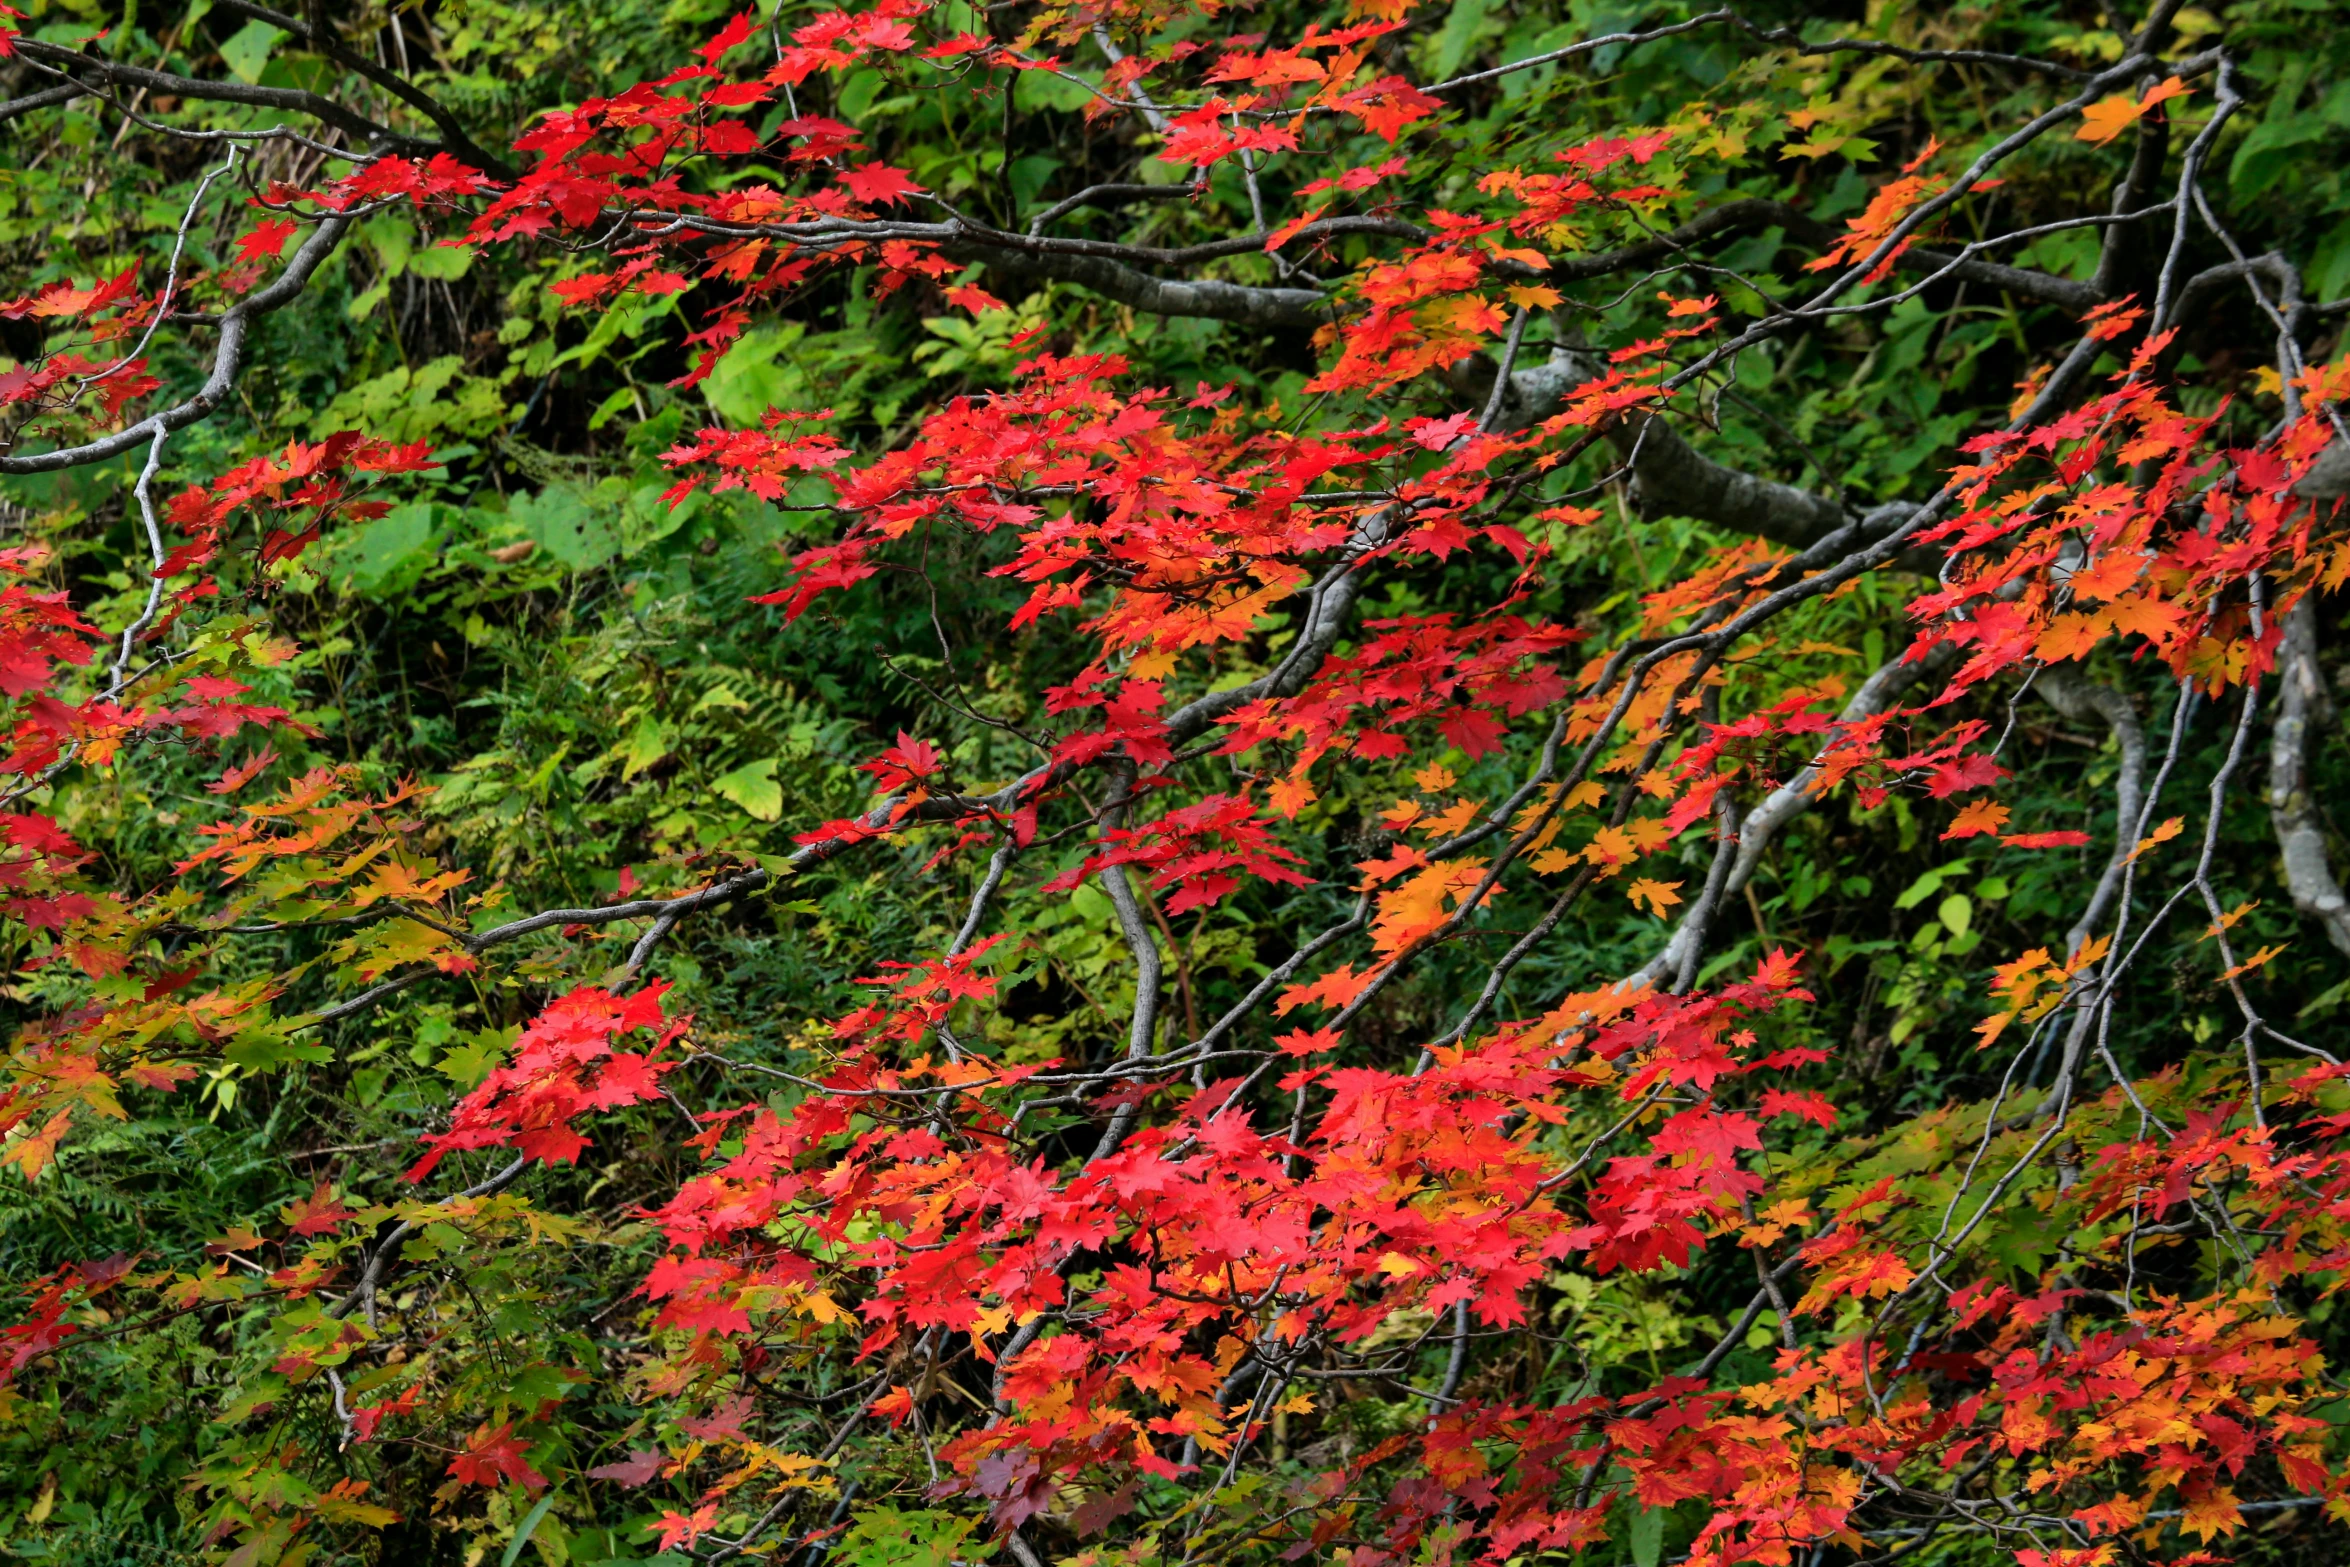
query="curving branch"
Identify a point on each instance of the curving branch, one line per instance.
(2077, 697)
(1754, 213)
(1745, 840)
(2309, 875)
(1211, 298)
(453, 133)
(86, 73)
(1669, 477)
(46, 98)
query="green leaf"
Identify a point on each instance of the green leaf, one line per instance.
(2329, 267)
(385, 545)
(1956, 912)
(1043, 90)
(753, 787)
(559, 519)
(1459, 35)
(363, 305)
(530, 1522)
(468, 1063)
(1647, 1536)
(2269, 152)
(261, 1049)
(246, 52)
(1927, 885)
(719, 696)
(446, 263)
(887, 1537)
(645, 747)
(757, 374)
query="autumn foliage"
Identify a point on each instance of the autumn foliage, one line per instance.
(1290, 1253)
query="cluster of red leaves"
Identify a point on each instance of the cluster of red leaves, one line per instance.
(563, 1067)
(1410, 1191)
(298, 493)
(1193, 850)
(2117, 520)
(104, 312)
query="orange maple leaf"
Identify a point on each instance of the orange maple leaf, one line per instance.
(2102, 121)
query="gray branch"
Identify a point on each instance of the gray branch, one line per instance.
(1157, 296)
(1781, 806)
(2077, 697)
(2300, 836)
(453, 132)
(85, 70)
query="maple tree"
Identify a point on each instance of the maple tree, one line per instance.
(1177, 988)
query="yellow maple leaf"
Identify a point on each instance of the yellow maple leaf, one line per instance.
(2163, 834)
(2109, 575)
(2213, 1513)
(1656, 896)
(2228, 920)
(397, 943)
(2253, 962)
(1417, 906)
(33, 1153)
(1451, 819)
(2146, 616)
(1775, 1221)
(2070, 635)
(1610, 846)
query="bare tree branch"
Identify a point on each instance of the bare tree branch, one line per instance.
(84, 70)
(453, 133)
(2300, 836)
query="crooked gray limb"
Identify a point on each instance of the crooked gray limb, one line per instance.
(2309, 875)
(1781, 806)
(1672, 478)
(1158, 296)
(2078, 698)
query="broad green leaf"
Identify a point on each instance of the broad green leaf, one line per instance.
(444, 263)
(1647, 1536)
(1458, 36)
(752, 786)
(246, 52)
(647, 744)
(1956, 912)
(388, 543)
(560, 521)
(528, 1526)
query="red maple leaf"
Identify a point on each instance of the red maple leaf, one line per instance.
(877, 184)
(493, 1455)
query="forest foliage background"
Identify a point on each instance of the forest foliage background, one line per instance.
(565, 662)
